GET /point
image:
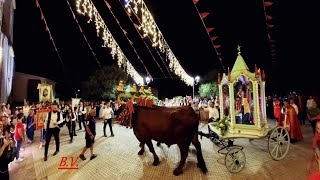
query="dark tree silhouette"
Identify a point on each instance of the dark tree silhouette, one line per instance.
(102, 84)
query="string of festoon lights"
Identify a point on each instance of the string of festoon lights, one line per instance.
(157, 51)
(150, 28)
(87, 8)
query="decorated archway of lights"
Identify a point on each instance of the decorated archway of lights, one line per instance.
(150, 28)
(87, 8)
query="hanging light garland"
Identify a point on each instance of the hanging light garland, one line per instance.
(150, 28)
(87, 8)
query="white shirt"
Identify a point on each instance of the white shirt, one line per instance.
(309, 103)
(82, 110)
(295, 108)
(26, 110)
(107, 113)
(54, 119)
(72, 119)
(213, 113)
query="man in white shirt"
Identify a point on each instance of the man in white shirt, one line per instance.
(213, 112)
(309, 102)
(213, 117)
(51, 124)
(26, 108)
(107, 117)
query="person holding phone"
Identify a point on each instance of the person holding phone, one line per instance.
(6, 152)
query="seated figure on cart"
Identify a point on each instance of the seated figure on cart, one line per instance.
(213, 112)
(213, 117)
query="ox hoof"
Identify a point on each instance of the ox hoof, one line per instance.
(158, 144)
(156, 162)
(177, 172)
(141, 152)
(202, 167)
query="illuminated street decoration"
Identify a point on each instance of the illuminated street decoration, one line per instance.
(87, 8)
(150, 28)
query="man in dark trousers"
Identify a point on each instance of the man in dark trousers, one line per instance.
(81, 115)
(52, 126)
(90, 129)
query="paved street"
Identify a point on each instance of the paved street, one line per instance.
(118, 159)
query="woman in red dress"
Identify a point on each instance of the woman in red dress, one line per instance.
(291, 122)
(315, 147)
(277, 109)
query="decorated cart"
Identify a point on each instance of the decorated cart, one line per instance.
(129, 94)
(243, 115)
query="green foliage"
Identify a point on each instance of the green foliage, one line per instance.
(127, 89)
(209, 89)
(102, 84)
(223, 125)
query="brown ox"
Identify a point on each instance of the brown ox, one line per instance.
(170, 126)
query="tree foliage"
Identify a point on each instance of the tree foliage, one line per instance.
(209, 89)
(208, 85)
(102, 84)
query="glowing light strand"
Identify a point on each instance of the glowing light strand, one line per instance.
(86, 7)
(130, 43)
(165, 65)
(149, 27)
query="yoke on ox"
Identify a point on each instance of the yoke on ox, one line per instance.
(170, 126)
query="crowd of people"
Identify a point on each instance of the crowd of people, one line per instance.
(20, 124)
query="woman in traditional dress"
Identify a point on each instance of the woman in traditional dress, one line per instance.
(277, 110)
(291, 122)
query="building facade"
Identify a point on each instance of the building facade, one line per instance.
(7, 8)
(26, 87)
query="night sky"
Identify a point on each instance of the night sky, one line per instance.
(235, 22)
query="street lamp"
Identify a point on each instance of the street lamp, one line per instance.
(78, 91)
(195, 82)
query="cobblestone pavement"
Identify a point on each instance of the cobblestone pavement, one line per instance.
(117, 159)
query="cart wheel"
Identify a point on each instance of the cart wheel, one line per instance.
(279, 142)
(235, 160)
